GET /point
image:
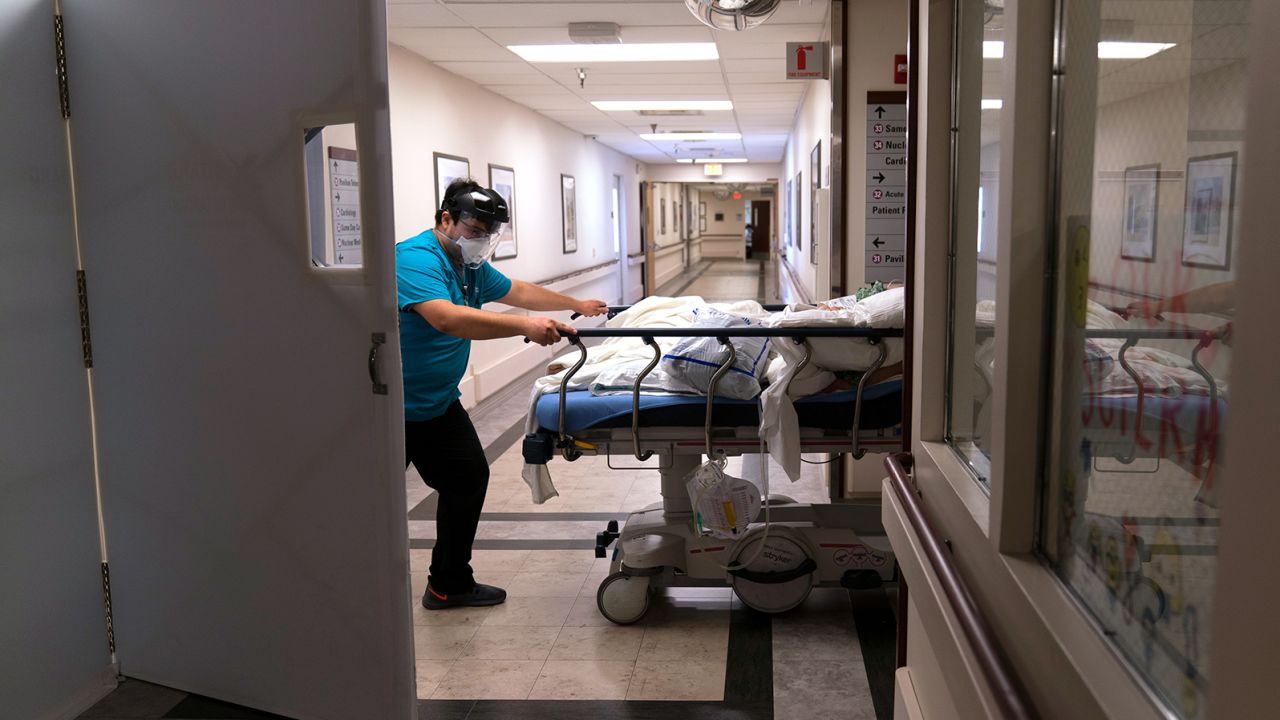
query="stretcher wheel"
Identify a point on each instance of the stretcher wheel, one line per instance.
(623, 599)
(778, 576)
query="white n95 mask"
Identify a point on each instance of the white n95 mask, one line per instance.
(475, 251)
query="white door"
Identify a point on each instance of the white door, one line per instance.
(53, 633)
(253, 489)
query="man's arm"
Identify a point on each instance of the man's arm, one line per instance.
(473, 324)
(535, 297)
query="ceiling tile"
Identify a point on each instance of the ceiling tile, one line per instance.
(429, 15)
(543, 14)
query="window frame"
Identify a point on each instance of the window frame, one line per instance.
(1059, 650)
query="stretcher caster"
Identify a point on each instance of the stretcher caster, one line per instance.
(624, 599)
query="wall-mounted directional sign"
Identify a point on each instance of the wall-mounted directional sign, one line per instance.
(344, 197)
(886, 201)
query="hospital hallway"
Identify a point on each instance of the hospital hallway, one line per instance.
(547, 653)
(766, 281)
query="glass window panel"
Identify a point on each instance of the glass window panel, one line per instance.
(971, 364)
(332, 173)
(1152, 152)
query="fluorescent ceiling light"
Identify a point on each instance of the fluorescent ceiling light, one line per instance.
(992, 103)
(634, 52)
(1107, 50)
(679, 136)
(684, 160)
(1130, 50)
(618, 105)
(721, 160)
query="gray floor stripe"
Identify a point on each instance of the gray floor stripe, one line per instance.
(426, 544)
(553, 516)
(504, 442)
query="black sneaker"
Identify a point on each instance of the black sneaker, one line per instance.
(478, 596)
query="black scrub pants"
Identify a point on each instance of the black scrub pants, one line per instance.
(448, 454)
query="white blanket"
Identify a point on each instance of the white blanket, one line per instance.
(779, 424)
(612, 358)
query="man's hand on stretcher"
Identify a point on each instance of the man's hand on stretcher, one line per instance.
(546, 331)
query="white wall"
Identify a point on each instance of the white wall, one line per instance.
(812, 126)
(436, 111)
(724, 239)
(1154, 128)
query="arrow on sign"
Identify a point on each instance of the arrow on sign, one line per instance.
(878, 177)
(877, 242)
(880, 111)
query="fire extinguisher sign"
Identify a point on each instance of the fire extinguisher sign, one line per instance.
(808, 60)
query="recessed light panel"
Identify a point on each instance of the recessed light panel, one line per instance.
(625, 52)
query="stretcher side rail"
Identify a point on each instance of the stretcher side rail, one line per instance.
(798, 335)
(1131, 338)
(613, 310)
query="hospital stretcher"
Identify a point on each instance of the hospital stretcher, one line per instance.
(773, 565)
(1184, 429)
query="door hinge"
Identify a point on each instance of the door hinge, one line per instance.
(86, 343)
(106, 599)
(60, 47)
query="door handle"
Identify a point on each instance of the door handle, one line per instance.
(379, 387)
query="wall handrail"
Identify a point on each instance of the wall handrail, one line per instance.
(576, 273)
(1009, 695)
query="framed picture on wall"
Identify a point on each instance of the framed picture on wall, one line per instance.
(1208, 211)
(449, 168)
(815, 182)
(786, 214)
(569, 212)
(662, 230)
(795, 208)
(503, 181)
(702, 224)
(1138, 226)
(702, 208)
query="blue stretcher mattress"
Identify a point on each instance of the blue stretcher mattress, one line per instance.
(1167, 423)
(881, 408)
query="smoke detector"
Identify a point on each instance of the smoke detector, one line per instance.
(595, 33)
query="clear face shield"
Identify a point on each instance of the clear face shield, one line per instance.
(476, 238)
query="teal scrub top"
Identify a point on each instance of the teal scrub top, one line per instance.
(433, 362)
